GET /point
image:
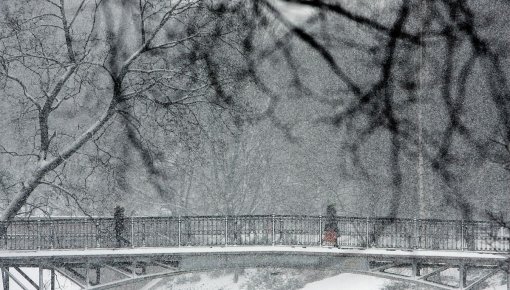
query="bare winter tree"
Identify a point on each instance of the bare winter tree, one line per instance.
(99, 91)
(419, 87)
(81, 76)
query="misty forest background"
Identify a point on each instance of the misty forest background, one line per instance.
(207, 107)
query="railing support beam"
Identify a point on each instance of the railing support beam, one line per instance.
(26, 277)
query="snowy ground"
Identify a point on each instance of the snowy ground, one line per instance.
(259, 279)
(347, 281)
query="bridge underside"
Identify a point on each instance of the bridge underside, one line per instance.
(106, 268)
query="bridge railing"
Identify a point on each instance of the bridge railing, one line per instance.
(75, 233)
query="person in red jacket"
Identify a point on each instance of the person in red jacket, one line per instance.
(331, 227)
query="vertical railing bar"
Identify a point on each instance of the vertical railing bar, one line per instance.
(98, 245)
(5, 237)
(281, 230)
(38, 229)
(367, 233)
(179, 221)
(132, 232)
(320, 230)
(83, 233)
(52, 234)
(462, 235)
(273, 229)
(226, 230)
(144, 237)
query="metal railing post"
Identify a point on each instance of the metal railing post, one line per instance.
(226, 230)
(462, 235)
(320, 230)
(132, 232)
(179, 231)
(367, 233)
(415, 234)
(52, 235)
(282, 237)
(98, 245)
(143, 234)
(85, 234)
(4, 237)
(38, 234)
(273, 229)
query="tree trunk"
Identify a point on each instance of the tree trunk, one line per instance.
(45, 166)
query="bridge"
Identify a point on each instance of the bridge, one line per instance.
(100, 253)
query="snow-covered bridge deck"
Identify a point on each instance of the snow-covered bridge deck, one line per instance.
(30, 258)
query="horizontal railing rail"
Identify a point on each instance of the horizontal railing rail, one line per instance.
(295, 230)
